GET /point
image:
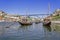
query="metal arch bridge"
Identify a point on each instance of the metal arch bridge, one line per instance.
(36, 15)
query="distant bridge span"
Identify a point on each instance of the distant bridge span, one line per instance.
(35, 15)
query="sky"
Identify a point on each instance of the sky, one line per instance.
(23, 7)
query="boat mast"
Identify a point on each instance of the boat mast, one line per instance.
(26, 13)
(48, 8)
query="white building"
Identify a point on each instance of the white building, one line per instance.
(12, 18)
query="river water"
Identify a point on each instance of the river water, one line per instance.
(14, 31)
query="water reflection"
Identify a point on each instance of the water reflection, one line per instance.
(56, 27)
(48, 28)
(31, 32)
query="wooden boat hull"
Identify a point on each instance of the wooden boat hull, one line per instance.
(46, 24)
(25, 23)
(37, 22)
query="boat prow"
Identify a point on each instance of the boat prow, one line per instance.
(47, 22)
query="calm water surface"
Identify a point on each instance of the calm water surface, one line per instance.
(14, 31)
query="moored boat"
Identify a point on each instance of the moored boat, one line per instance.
(37, 22)
(47, 22)
(25, 21)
